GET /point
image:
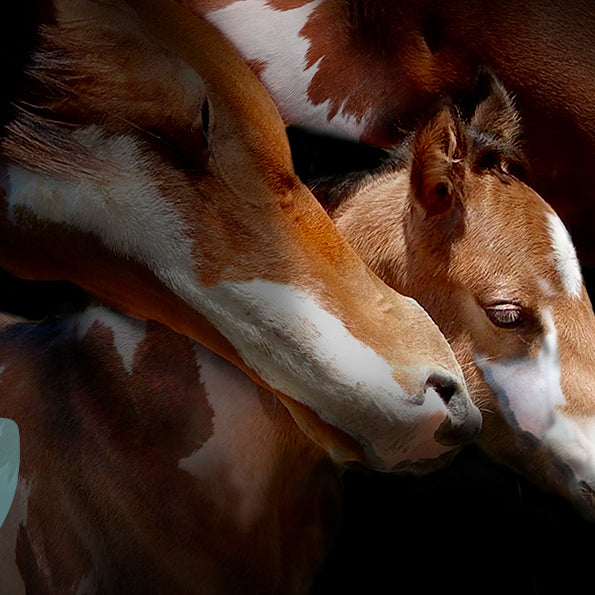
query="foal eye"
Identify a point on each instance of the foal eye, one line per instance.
(507, 316)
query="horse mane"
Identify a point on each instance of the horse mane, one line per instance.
(34, 130)
(19, 35)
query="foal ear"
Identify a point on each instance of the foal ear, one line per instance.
(495, 113)
(437, 167)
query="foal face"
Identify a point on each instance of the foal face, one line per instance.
(496, 269)
(509, 296)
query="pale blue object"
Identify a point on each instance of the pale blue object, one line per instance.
(10, 457)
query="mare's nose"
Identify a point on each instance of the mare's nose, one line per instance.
(463, 421)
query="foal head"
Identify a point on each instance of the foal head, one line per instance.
(453, 225)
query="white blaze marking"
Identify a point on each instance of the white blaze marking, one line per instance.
(530, 387)
(530, 391)
(321, 364)
(573, 440)
(272, 37)
(565, 258)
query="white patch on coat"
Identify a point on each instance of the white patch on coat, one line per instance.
(284, 334)
(128, 333)
(273, 38)
(565, 258)
(237, 463)
(528, 388)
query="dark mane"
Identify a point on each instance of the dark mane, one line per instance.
(19, 35)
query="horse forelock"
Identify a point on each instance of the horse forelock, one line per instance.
(19, 33)
(102, 72)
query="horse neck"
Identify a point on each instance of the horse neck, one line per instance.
(114, 410)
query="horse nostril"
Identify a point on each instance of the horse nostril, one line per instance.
(445, 386)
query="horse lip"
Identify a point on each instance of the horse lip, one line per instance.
(460, 426)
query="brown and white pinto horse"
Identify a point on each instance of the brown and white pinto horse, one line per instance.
(151, 465)
(227, 494)
(147, 164)
(371, 68)
(449, 223)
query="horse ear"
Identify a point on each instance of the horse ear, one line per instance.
(495, 113)
(437, 166)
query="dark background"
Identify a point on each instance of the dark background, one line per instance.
(474, 527)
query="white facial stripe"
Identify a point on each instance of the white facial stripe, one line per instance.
(565, 258)
(272, 37)
(128, 332)
(281, 332)
(318, 362)
(528, 389)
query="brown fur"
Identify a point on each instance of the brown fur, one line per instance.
(105, 501)
(395, 60)
(487, 245)
(210, 141)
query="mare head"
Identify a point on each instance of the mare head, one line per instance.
(451, 223)
(144, 162)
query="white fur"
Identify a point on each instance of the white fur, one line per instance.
(273, 38)
(128, 333)
(123, 207)
(529, 386)
(226, 462)
(565, 257)
(321, 364)
(572, 439)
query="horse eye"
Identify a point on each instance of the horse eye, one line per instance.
(507, 316)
